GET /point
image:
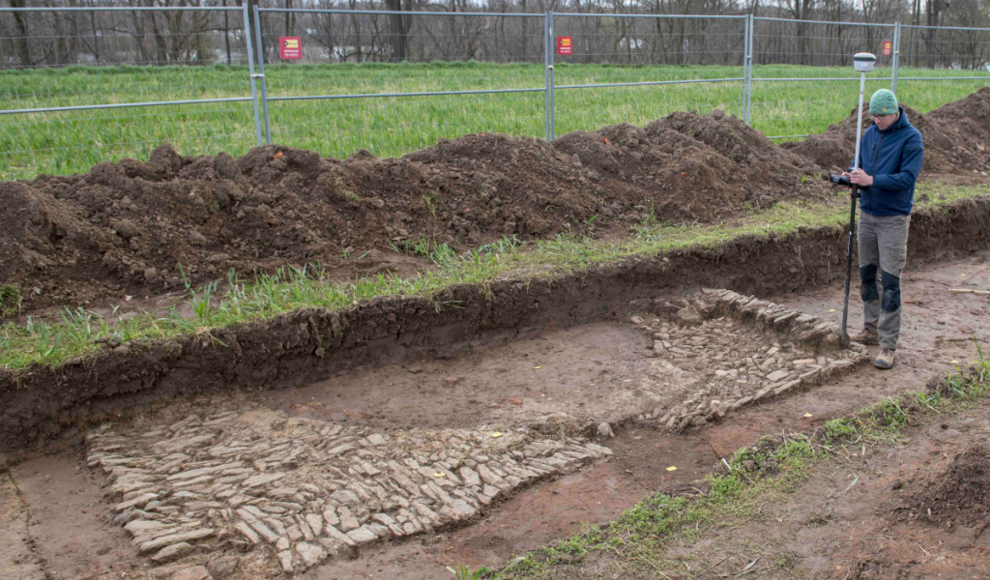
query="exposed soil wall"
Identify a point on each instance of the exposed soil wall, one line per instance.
(138, 228)
(312, 344)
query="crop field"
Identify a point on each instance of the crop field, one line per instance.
(69, 142)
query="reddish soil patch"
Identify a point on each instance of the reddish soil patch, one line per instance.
(136, 228)
(957, 137)
(81, 543)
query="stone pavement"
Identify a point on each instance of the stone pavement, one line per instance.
(303, 490)
(747, 350)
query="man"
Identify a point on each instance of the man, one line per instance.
(890, 160)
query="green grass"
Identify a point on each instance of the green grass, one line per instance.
(79, 332)
(635, 543)
(10, 300)
(648, 539)
(67, 142)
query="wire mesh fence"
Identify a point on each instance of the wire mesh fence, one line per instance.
(779, 41)
(378, 71)
(652, 39)
(83, 85)
(355, 36)
(802, 78)
(949, 48)
(643, 67)
(802, 75)
(80, 86)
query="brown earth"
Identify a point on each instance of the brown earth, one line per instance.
(133, 228)
(55, 518)
(960, 492)
(956, 135)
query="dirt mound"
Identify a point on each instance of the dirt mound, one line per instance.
(691, 166)
(967, 124)
(129, 226)
(960, 493)
(956, 137)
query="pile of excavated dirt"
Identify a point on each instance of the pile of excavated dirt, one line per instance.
(127, 227)
(957, 137)
(960, 493)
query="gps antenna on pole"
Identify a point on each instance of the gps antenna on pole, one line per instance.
(863, 63)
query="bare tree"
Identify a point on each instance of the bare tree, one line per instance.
(398, 29)
(21, 41)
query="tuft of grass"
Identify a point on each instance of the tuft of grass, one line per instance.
(464, 572)
(10, 300)
(441, 254)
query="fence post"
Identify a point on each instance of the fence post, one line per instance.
(546, 75)
(897, 58)
(254, 85)
(749, 71)
(553, 94)
(745, 63)
(261, 75)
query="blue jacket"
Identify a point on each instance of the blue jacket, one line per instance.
(893, 157)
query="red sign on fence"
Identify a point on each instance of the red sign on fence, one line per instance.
(888, 48)
(565, 45)
(290, 47)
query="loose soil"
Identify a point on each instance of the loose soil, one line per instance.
(959, 494)
(142, 228)
(956, 135)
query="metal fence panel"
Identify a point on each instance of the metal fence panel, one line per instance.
(952, 61)
(652, 65)
(781, 41)
(490, 60)
(950, 48)
(84, 85)
(809, 65)
(88, 84)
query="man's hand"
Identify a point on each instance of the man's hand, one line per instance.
(859, 177)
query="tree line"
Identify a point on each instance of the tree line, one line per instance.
(53, 38)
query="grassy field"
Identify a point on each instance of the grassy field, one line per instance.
(68, 142)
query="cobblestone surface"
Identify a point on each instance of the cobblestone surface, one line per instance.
(303, 490)
(746, 350)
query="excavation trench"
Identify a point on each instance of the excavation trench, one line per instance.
(308, 346)
(466, 409)
(321, 479)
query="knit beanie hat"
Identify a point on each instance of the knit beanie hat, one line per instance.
(883, 102)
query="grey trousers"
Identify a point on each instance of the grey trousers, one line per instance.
(883, 247)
